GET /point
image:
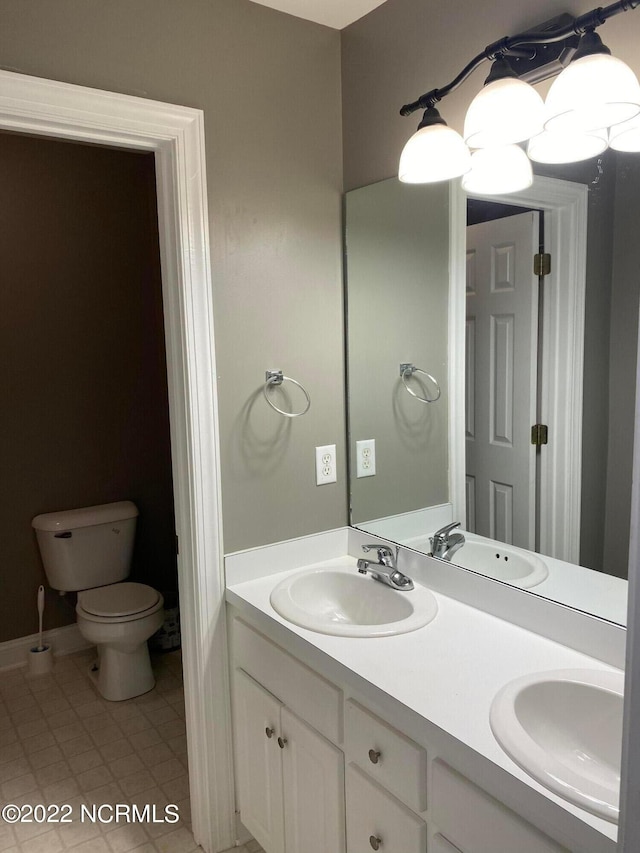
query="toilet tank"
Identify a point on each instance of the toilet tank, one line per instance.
(87, 547)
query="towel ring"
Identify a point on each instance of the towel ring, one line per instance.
(275, 377)
(407, 370)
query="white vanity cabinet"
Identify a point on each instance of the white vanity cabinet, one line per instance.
(289, 777)
(398, 794)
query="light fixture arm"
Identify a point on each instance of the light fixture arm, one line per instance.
(513, 44)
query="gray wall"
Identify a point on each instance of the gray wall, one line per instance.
(269, 85)
(623, 361)
(84, 417)
(397, 278)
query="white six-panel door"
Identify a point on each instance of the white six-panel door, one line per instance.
(501, 369)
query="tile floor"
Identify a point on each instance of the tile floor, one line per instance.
(250, 847)
(60, 742)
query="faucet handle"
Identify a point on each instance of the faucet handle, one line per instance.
(444, 531)
(383, 550)
(386, 555)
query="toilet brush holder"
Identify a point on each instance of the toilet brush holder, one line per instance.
(40, 660)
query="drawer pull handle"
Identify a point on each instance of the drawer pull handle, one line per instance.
(375, 841)
(374, 757)
(269, 732)
(282, 742)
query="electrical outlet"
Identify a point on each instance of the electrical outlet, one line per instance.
(326, 464)
(366, 457)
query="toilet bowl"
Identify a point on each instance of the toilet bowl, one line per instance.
(89, 550)
(119, 619)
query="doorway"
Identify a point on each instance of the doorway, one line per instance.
(175, 136)
(502, 343)
(565, 225)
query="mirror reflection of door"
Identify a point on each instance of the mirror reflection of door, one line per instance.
(501, 375)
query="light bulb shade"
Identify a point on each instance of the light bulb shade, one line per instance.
(564, 147)
(499, 170)
(626, 136)
(592, 92)
(503, 112)
(434, 153)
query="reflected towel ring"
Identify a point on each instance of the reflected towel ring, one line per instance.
(407, 370)
(275, 377)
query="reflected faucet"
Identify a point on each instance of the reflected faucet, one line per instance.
(444, 543)
(385, 570)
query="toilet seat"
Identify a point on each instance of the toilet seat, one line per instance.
(118, 602)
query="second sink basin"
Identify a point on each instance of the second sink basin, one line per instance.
(564, 728)
(342, 602)
(502, 562)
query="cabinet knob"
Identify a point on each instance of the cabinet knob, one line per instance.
(269, 732)
(374, 757)
(375, 841)
(282, 742)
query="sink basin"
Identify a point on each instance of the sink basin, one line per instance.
(343, 602)
(502, 562)
(564, 728)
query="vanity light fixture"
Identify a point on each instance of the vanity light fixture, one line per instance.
(557, 146)
(435, 152)
(499, 169)
(593, 103)
(595, 90)
(505, 111)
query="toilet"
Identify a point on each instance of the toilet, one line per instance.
(89, 551)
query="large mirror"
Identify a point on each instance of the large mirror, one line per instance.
(464, 359)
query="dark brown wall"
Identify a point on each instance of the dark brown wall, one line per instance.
(84, 418)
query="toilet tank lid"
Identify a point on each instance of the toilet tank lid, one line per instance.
(85, 516)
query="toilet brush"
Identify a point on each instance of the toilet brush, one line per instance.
(40, 615)
(41, 656)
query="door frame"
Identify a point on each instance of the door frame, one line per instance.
(565, 207)
(175, 135)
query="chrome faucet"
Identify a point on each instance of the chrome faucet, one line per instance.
(444, 543)
(385, 570)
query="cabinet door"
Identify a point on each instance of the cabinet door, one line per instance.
(313, 784)
(258, 762)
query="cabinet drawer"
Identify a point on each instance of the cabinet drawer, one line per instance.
(401, 765)
(372, 814)
(308, 694)
(476, 823)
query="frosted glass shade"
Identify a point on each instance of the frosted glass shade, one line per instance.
(503, 112)
(434, 153)
(626, 136)
(560, 147)
(593, 92)
(503, 169)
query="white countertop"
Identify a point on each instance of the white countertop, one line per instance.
(447, 672)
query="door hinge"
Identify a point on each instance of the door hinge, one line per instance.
(542, 264)
(539, 434)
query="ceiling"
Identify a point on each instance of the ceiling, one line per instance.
(332, 13)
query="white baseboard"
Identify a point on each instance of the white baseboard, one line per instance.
(64, 641)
